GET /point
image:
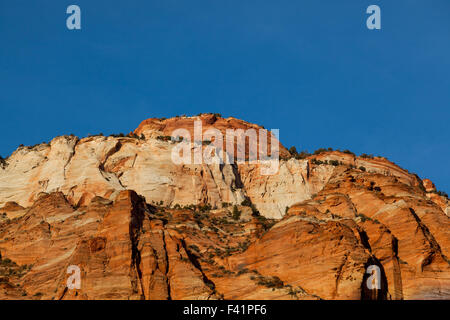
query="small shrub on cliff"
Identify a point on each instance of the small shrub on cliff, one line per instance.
(217, 275)
(164, 138)
(363, 217)
(217, 115)
(348, 152)
(89, 135)
(266, 223)
(133, 135)
(225, 204)
(292, 292)
(244, 245)
(194, 247)
(320, 150)
(334, 163)
(245, 270)
(205, 207)
(302, 155)
(362, 168)
(115, 135)
(178, 139)
(442, 193)
(255, 212)
(2, 161)
(367, 156)
(270, 282)
(7, 262)
(236, 213)
(293, 151)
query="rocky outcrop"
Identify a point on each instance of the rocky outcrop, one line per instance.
(103, 166)
(406, 232)
(139, 226)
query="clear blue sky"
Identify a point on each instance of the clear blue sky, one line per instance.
(310, 68)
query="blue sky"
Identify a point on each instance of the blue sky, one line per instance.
(309, 68)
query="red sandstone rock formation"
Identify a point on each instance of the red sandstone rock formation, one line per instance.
(140, 227)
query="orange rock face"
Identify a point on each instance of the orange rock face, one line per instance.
(166, 127)
(137, 226)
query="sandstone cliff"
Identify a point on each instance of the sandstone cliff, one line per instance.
(141, 227)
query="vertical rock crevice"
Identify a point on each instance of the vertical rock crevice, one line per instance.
(135, 229)
(169, 296)
(193, 259)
